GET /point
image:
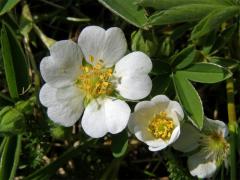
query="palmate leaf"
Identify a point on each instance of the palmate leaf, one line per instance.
(189, 98)
(128, 10)
(166, 4)
(205, 73)
(185, 57)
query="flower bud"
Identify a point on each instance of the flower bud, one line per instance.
(167, 47)
(145, 42)
(11, 121)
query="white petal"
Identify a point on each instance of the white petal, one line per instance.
(66, 113)
(138, 125)
(188, 139)
(67, 93)
(143, 105)
(135, 87)
(175, 135)
(215, 125)
(157, 148)
(143, 113)
(176, 107)
(47, 95)
(108, 46)
(146, 137)
(63, 65)
(161, 102)
(94, 119)
(133, 63)
(115, 46)
(201, 167)
(117, 115)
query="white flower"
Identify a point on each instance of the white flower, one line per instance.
(209, 147)
(73, 85)
(156, 122)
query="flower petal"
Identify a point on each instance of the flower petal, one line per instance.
(67, 93)
(215, 125)
(133, 63)
(161, 102)
(63, 65)
(66, 113)
(115, 46)
(188, 139)
(47, 95)
(93, 120)
(135, 87)
(158, 148)
(175, 135)
(201, 167)
(176, 107)
(108, 46)
(143, 113)
(117, 115)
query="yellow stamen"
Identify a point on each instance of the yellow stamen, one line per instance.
(91, 58)
(161, 126)
(95, 80)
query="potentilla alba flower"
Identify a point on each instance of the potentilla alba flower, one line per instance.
(93, 84)
(156, 122)
(209, 147)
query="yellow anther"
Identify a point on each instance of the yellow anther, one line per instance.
(95, 81)
(161, 126)
(91, 58)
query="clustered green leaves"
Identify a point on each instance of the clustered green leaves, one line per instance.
(194, 45)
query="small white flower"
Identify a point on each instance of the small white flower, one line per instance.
(209, 147)
(72, 86)
(156, 122)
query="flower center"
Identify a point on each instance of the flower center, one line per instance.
(161, 126)
(95, 81)
(215, 146)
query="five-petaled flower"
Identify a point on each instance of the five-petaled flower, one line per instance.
(91, 75)
(156, 122)
(208, 147)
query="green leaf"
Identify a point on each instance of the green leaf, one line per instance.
(189, 98)
(225, 62)
(7, 5)
(16, 157)
(179, 14)
(213, 21)
(10, 157)
(119, 144)
(128, 10)
(185, 57)
(16, 67)
(8, 64)
(166, 4)
(205, 73)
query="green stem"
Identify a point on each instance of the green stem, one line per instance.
(232, 125)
